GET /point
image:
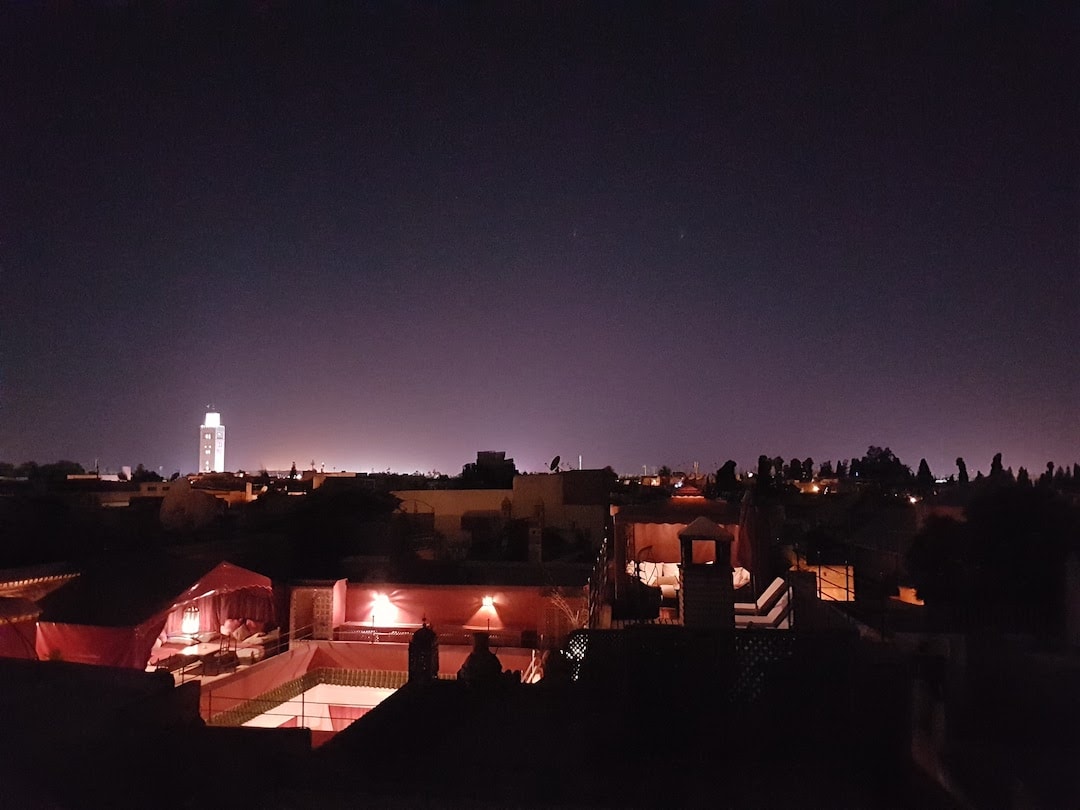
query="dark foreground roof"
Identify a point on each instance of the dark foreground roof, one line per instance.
(79, 736)
(646, 730)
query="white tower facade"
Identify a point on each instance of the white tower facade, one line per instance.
(212, 444)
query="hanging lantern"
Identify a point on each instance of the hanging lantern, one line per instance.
(189, 625)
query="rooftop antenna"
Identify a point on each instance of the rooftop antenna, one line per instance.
(554, 465)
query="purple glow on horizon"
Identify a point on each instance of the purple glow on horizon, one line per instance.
(390, 239)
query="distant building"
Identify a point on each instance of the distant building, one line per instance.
(492, 470)
(575, 503)
(232, 489)
(212, 444)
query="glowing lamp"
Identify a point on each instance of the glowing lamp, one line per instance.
(381, 609)
(488, 601)
(912, 499)
(189, 625)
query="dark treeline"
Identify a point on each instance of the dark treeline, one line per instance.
(880, 466)
(59, 471)
(32, 471)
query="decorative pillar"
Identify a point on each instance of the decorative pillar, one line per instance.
(424, 655)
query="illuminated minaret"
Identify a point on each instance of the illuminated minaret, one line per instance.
(212, 443)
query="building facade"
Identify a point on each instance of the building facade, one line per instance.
(212, 444)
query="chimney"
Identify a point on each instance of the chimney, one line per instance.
(706, 593)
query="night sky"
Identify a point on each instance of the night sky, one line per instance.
(391, 237)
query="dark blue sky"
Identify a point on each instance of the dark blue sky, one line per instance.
(387, 238)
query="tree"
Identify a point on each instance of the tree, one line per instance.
(1010, 552)
(51, 473)
(962, 478)
(1023, 479)
(937, 561)
(841, 469)
(142, 474)
(778, 470)
(924, 479)
(1047, 478)
(807, 469)
(793, 471)
(996, 471)
(826, 470)
(821, 545)
(292, 471)
(726, 481)
(763, 479)
(1021, 538)
(881, 467)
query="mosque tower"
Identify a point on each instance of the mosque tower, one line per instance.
(212, 444)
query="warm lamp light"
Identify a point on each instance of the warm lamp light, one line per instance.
(381, 609)
(488, 601)
(189, 625)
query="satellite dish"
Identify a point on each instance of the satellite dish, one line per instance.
(555, 463)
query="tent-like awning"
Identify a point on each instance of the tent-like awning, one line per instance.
(18, 609)
(113, 616)
(223, 578)
(17, 617)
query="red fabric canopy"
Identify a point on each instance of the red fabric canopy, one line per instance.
(104, 646)
(223, 578)
(17, 638)
(130, 646)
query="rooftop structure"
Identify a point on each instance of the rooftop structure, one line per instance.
(212, 443)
